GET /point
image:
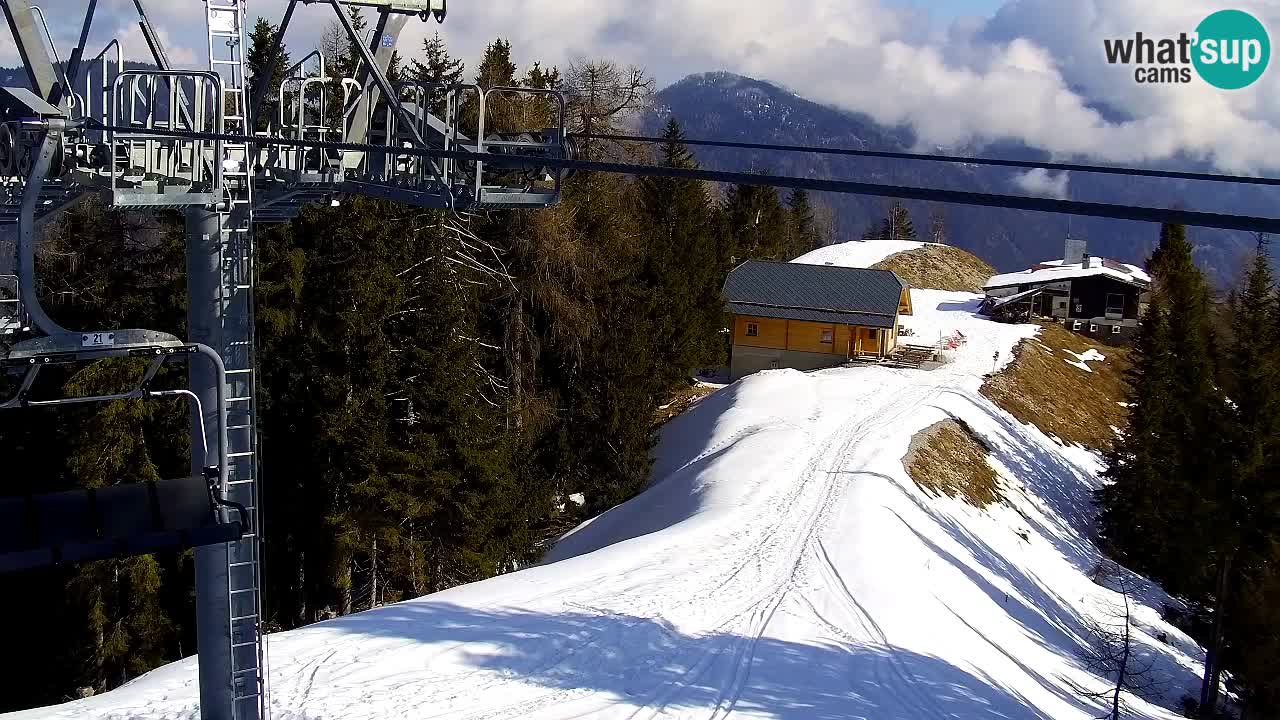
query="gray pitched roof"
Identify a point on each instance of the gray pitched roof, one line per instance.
(818, 293)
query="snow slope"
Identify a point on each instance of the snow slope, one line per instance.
(780, 565)
(857, 253)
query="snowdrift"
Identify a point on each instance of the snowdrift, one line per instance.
(780, 565)
(858, 253)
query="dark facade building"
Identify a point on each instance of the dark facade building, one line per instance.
(1094, 296)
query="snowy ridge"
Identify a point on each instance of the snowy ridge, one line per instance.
(857, 253)
(780, 565)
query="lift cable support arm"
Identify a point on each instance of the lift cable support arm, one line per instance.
(379, 77)
(73, 62)
(153, 40)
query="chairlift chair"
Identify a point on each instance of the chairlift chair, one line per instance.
(130, 518)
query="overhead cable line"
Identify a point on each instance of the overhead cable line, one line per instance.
(1031, 164)
(1141, 213)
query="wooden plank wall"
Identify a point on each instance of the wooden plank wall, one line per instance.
(773, 332)
(802, 336)
(807, 337)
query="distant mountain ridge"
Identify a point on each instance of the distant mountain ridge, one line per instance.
(725, 106)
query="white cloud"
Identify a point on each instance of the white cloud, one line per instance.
(1035, 72)
(1042, 183)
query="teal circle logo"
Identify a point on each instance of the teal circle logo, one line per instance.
(1232, 49)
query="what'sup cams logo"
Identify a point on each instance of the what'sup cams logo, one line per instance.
(1230, 50)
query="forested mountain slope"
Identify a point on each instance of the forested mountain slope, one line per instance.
(724, 106)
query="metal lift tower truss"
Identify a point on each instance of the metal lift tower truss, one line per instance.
(99, 128)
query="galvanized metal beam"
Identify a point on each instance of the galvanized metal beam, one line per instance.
(73, 62)
(385, 38)
(35, 56)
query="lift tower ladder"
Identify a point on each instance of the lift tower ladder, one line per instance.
(226, 30)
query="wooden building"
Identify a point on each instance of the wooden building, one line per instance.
(790, 315)
(1094, 296)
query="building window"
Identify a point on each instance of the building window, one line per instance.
(1093, 328)
(753, 330)
(1115, 329)
(1115, 304)
(1075, 325)
(828, 336)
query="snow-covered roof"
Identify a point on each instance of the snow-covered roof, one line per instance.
(1057, 270)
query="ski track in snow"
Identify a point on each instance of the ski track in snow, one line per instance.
(780, 565)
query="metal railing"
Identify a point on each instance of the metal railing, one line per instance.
(158, 99)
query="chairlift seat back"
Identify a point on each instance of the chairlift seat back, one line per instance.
(112, 522)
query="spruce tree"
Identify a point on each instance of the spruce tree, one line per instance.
(496, 68)
(1169, 511)
(1171, 457)
(264, 67)
(756, 222)
(1134, 517)
(438, 69)
(682, 263)
(1246, 502)
(897, 224)
(802, 233)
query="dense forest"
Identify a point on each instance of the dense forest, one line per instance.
(433, 387)
(1194, 502)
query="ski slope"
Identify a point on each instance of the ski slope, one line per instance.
(780, 565)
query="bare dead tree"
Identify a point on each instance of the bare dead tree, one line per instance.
(1112, 651)
(937, 226)
(603, 95)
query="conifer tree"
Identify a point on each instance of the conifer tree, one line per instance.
(395, 69)
(1254, 628)
(1246, 501)
(897, 224)
(263, 67)
(496, 68)
(682, 263)
(1169, 511)
(756, 222)
(1169, 459)
(802, 234)
(437, 68)
(1133, 518)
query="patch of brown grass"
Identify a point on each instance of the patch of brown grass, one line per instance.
(681, 399)
(947, 458)
(1040, 388)
(939, 267)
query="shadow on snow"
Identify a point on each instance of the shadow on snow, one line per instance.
(645, 662)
